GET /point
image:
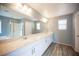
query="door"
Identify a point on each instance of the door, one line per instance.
(77, 32)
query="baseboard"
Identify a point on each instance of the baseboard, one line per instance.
(62, 43)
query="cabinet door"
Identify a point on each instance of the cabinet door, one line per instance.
(41, 46)
(50, 39)
(37, 48)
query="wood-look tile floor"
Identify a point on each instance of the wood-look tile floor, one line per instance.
(60, 50)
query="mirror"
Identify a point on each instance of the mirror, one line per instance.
(16, 28)
(10, 27)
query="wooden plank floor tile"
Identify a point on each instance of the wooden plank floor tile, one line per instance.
(60, 50)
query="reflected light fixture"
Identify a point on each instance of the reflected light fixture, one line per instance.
(29, 11)
(44, 20)
(25, 8)
(18, 4)
(18, 7)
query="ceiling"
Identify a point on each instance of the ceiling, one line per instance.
(50, 10)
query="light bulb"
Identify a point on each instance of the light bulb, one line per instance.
(44, 20)
(29, 10)
(19, 5)
(25, 8)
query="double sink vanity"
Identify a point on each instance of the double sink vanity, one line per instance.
(22, 34)
(31, 45)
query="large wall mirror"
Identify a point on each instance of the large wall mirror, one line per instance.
(10, 27)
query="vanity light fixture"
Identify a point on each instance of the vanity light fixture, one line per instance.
(18, 5)
(23, 8)
(44, 20)
(29, 11)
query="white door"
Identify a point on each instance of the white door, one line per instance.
(77, 32)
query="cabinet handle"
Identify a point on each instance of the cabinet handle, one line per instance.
(33, 51)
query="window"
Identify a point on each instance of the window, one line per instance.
(38, 26)
(62, 24)
(0, 26)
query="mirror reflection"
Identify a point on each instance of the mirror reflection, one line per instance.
(10, 27)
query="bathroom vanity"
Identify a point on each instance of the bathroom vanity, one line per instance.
(22, 35)
(31, 45)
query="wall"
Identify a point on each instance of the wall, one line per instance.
(62, 36)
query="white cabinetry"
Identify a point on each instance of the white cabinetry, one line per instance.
(36, 48)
